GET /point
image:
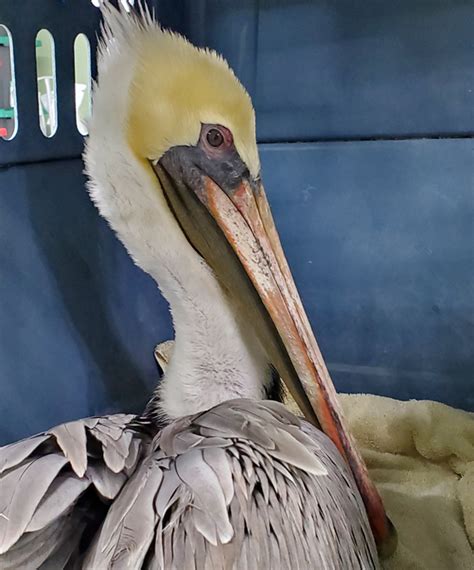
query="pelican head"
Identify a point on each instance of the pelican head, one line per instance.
(173, 166)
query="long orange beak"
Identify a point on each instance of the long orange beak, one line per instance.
(242, 215)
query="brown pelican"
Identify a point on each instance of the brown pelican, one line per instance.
(214, 474)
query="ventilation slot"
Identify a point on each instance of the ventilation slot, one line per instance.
(82, 82)
(8, 106)
(46, 83)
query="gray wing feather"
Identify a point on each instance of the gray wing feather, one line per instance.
(115, 443)
(133, 455)
(167, 492)
(30, 552)
(217, 460)
(71, 438)
(236, 426)
(129, 527)
(299, 456)
(22, 490)
(204, 525)
(114, 460)
(43, 478)
(49, 549)
(65, 550)
(61, 494)
(107, 483)
(15, 453)
(208, 493)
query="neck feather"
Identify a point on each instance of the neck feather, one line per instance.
(213, 359)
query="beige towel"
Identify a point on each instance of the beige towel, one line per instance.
(421, 457)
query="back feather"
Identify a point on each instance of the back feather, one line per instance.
(243, 485)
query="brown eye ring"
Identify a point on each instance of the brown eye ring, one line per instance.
(215, 138)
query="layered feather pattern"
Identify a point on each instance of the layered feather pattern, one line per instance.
(51, 485)
(244, 485)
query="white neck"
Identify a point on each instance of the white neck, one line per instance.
(212, 360)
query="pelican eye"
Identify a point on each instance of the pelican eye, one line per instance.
(214, 138)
